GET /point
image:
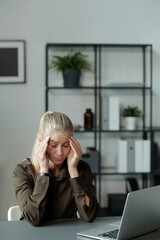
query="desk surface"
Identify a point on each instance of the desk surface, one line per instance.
(65, 229)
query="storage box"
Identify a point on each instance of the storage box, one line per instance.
(116, 204)
(92, 158)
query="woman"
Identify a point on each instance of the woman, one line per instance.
(53, 183)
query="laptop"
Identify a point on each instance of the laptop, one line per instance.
(141, 215)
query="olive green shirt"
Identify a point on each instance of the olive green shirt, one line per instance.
(42, 198)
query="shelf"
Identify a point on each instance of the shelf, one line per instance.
(156, 172)
(96, 45)
(104, 82)
(124, 130)
(109, 88)
(86, 131)
(155, 129)
(128, 173)
(116, 131)
(62, 88)
(126, 88)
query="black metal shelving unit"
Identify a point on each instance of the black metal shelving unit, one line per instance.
(97, 90)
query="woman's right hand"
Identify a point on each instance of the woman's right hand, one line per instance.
(41, 155)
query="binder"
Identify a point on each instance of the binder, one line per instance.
(114, 113)
(110, 113)
(131, 155)
(146, 155)
(139, 155)
(142, 155)
(122, 156)
(105, 113)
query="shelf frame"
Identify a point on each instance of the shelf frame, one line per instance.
(97, 88)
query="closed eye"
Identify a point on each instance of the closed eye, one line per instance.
(66, 145)
(53, 146)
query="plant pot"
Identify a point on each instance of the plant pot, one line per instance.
(130, 123)
(71, 78)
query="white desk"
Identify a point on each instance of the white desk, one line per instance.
(65, 229)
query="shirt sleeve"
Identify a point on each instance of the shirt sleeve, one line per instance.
(31, 196)
(84, 185)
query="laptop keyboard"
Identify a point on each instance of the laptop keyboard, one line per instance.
(111, 234)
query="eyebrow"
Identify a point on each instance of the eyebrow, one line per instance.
(57, 141)
(53, 141)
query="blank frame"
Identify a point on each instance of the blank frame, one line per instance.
(12, 62)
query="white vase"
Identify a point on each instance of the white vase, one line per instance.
(130, 123)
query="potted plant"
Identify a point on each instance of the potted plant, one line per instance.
(131, 113)
(70, 65)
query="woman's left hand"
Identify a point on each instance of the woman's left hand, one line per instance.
(72, 161)
(74, 155)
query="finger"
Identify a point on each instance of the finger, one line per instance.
(45, 141)
(75, 141)
(76, 148)
(73, 147)
(42, 148)
(43, 145)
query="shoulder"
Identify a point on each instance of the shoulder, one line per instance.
(23, 168)
(83, 166)
(23, 175)
(82, 163)
(85, 172)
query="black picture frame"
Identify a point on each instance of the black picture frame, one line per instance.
(12, 61)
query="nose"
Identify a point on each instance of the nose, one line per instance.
(59, 151)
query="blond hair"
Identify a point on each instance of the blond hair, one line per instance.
(50, 121)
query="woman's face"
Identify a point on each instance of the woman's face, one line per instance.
(58, 147)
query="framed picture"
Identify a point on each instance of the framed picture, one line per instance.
(12, 62)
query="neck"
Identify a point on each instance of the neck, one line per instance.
(55, 170)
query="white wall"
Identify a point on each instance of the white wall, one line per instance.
(39, 22)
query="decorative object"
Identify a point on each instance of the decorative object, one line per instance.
(70, 65)
(88, 119)
(12, 62)
(131, 113)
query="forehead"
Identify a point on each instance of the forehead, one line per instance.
(59, 136)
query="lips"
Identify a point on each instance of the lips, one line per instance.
(59, 159)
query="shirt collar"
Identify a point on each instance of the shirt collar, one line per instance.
(64, 172)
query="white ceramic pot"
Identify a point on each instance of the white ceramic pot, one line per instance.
(130, 123)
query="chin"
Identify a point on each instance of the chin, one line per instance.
(57, 161)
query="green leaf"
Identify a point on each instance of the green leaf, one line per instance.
(131, 111)
(73, 60)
